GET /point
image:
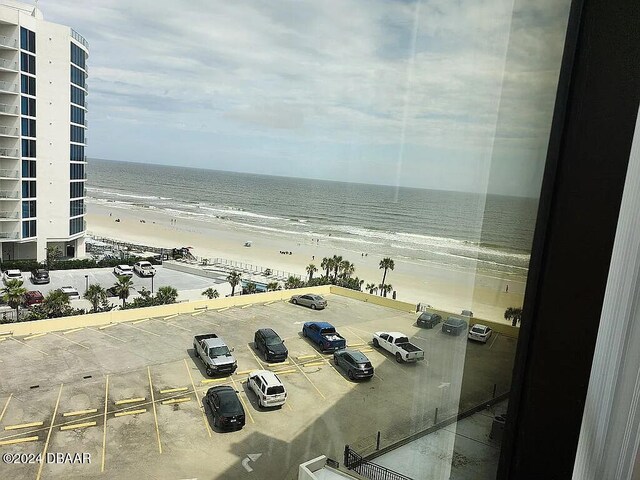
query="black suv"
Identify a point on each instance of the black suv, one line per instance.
(270, 345)
(355, 363)
(39, 276)
(226, 408)
(454, 326)
(428, 320)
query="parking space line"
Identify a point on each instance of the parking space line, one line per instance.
(30, 346)
(69, 340)
(335, 369)
(357, 344)
(177, 326)
(255, 357)
(286, 372)
(199, 312)
(155, 414)
(104, 420)
(212, 380)
(141, 329)
(5, 406)
(130, 400)
(313, 364)
(243, 372)
(246, 409)
(108, 335)
(302, 357)
(173, 390)
(18, 440)
(209, 322)
(307, 377)
(364, 342)
(72, 331)
(245, 306)
(78, 425)
(204, 416)
(46, 443)
(494, 340)
(24, 425)
(37, 335)
(79, 412)
(176, 400)
(129, 412)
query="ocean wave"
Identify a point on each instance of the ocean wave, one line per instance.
(238, 212)
(127, 195)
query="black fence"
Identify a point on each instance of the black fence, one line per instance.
(354, 461)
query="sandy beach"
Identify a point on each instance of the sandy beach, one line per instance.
(447, 289)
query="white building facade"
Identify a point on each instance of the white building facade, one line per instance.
(43, 127)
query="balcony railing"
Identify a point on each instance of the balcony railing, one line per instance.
(78, 211)
(8, 41)
(79, 38)
(8, 64)
(6, 173)
(10, 194)
(9, 152)
(10, 109)
(11, 215)
(9, 87)
(9, 131)
(11, 235)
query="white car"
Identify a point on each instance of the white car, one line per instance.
(123, 271)
(480, 333)
(12, 275)
(268, 388)
(70, 292)
(144, 269)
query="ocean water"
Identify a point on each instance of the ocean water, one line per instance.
(492, 233)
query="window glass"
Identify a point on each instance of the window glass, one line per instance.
(28, 189)
(28, 63)
(28, 127)
(78, 56)
(27, 40)
(78, 77)
(77, 115)
(28, 148)
(77, 96)
(29, 168)
(28, 84)
(77, 153)
(77, 134)
(28, 106)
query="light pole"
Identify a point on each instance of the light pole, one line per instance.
(152, 283)
(86, 283)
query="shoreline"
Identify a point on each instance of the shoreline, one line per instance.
(444, 288)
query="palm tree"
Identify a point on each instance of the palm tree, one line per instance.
(347, 268)
(234, 279)
(514, 314)
(210, 293)
(96, 295)
(249, 288)
(336, 265)
(326, 265)
(273, 286)
(372, 288)
(293, 282)
(166, 295)
(311, 269)
(56, 304)
(13, 294)
(385, 288)
(387, 264)
(122, 287)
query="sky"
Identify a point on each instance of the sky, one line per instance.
(443, 94)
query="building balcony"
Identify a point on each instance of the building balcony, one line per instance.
(7, 215)
(11, 174)
(9, 235)
(8, 153)
(9, 132)
(8, 109)
(8, 43)
(9, 195)
(9, 87)
(9, 65)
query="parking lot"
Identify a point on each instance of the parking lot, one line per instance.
(130, 395)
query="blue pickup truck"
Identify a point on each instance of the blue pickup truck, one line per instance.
(324, 335)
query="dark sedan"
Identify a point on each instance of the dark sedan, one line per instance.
(454, 326)
(428, 320)
(269, 343)
(355, 363)
(40, 276)
(226, 408)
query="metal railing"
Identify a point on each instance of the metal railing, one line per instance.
(14, 215)
(9, 194)
(9, 131)
(5, 173)
(9, 87)
(76, 36)
(11, 235)
(75, 212)
(8, 64)
(9, 152)
(354, 461)
(8, 41)
(4, 108)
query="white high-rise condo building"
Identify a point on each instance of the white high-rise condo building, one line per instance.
(43, 75)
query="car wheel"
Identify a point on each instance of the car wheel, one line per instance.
(350, 375)
(313, 307)
(304, 332)
(398, 358)
(294, 301)
(209, 372)
(320, 346)
(376, 343)
(216, 423)
(195, 352)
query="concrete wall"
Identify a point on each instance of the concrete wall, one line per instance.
(305, 472)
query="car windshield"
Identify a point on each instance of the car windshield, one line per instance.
(275, 340)
(402, 340)
(228, 402)
(219, 351)
(477, 330)
(275, 390)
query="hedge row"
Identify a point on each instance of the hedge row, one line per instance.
(29, 265)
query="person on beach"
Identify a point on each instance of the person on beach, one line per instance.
(506, 290)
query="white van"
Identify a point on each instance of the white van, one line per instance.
(267, 387)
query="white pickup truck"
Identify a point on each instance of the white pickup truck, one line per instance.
(398, 344)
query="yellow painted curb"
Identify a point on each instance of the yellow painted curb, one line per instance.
(269, 303)
(176, 400)
(357, 344)
(18, 440)
(274, 365)
(140, 321)
(78, 425)
(200, 312)
(24, 425)
(246, 306)
(34, 336)
(313, 364)
(109, 325)
(223, 309)
(130, 412)
(80, 412)
(74, 330)
(2, 334)
(171, 316)
(211, 380)
(130, 400)
(243, 372)
(171, 390)
(301, 357)
(366, 350)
